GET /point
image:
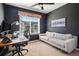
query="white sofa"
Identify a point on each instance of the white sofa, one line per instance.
(66, 42)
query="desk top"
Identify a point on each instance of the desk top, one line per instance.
(2, 44)
(16, 40)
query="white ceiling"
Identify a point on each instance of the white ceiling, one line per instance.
(47, 8)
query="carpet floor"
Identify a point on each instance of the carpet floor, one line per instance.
(39, 48)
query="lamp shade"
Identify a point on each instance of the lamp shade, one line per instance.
(15, 23)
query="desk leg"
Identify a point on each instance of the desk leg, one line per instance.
(18, 50)
(4, 51)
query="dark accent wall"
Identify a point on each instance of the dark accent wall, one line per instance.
(0, 28)
(11, 15)
(5, 26)
(71, 13)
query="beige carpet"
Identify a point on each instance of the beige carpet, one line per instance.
(38, 48)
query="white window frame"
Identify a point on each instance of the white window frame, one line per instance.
(30, 27)
(38, 27)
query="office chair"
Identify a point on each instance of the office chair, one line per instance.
(18, 48)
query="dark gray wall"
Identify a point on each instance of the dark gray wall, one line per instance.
(71, 13)
(1, 14)
(11, 15)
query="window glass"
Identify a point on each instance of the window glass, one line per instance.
(31, 24)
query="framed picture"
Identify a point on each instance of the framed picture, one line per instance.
(58, 23)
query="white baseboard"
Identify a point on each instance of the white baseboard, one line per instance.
(77, 49)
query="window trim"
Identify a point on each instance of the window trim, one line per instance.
(30, 26)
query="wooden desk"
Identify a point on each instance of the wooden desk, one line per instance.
(16, 41)
(9, 36)
(5, 44)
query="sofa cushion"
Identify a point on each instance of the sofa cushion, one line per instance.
(58, 42)
(44, 37)
(58, 36)
(62, 36)
(50, 34)
(67, 36)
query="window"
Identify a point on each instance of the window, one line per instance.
(31, 24)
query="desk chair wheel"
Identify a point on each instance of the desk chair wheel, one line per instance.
(19, 52)
(25, 50)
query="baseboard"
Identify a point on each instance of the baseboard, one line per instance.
(33, 41)
(77, 49)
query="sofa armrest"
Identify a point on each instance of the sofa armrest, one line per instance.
(76, 39)
(70, 44)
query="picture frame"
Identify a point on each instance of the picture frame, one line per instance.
(58, 22)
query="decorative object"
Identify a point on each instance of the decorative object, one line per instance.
(58, 23)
